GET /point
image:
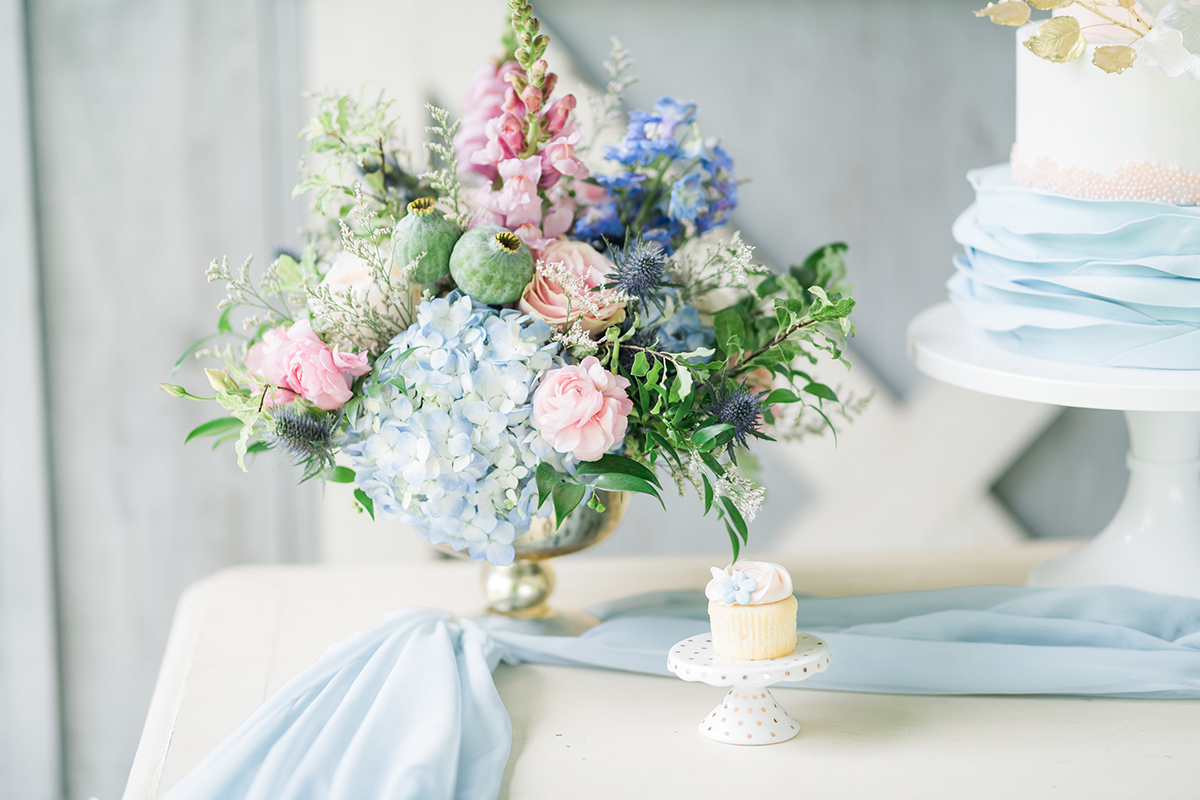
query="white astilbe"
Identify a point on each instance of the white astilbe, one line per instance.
(701, 269)
(747, 497)
(576, 339)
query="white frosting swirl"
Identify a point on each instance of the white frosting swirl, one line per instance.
(773, 583)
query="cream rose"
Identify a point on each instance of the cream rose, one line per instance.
(583, 269)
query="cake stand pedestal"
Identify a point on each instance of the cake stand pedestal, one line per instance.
(1153, 542)
(748, 714)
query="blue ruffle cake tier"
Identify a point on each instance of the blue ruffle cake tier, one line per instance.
(1102, 282)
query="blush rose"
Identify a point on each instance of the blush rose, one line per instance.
(558, 305)
(582, 409)
(299, 363)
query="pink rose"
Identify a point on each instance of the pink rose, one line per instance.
(299, 363)
(584, 269)
(582, 409)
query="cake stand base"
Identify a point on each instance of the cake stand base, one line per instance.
(1153, 542)
(751, 718)
(749, 714)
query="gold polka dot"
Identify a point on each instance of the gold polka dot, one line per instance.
(760, 722)
(739, 722)
(764, 708)
(772, 734)
(749, 735)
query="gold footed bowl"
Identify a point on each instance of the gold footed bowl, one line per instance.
(517, 595)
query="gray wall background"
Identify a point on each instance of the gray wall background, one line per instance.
(147, 137)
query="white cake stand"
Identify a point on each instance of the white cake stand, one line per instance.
(749, 714)
(1153, 542)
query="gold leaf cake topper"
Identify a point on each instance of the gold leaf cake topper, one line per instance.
(1061, 38)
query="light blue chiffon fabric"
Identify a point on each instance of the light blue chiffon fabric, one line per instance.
(1105, 282)
(408, 709)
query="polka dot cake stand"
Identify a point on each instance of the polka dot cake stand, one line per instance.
(749, 714)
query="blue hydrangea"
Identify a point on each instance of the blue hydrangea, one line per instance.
(683, 332)
(443, 438)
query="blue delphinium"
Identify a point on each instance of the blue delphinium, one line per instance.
(444, 440)
(671, 182)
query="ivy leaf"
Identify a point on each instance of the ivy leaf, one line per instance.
(729, 328)
(547, 478)
(566, 497)
(214, 427)
(366, 502)
(822, 391)
(613, 464)
(223, 325)
(339, 475)
(641, 364)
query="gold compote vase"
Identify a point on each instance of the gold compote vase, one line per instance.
(518, 594)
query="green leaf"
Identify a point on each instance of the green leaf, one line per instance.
(614, 464)
(547, 478)
(733, 539)
(566, 497)
(214, 427)
(710, 435)
(366, 502)
(665, 446)
(179, 361)
(257, 447)
(822, 391)
(712, 464)
(736, 517)
(339, 475)
(681, 387)
(708, 493)
(641, 364)
(729, 329)
(223, 326)
(781, 396)
(616, 482)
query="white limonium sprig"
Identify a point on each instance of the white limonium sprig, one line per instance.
(747, 496)
(605, 107)
(701, 269)
(445, 180)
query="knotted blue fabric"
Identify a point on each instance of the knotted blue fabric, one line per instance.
(408, 709)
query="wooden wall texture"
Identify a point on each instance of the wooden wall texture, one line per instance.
(160, 141)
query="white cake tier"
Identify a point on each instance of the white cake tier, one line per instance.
(1087, 133)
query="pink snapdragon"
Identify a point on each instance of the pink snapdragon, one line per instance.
(582, 409)
(482, 103)
(558, 159)
(299, 363)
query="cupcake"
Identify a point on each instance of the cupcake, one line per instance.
(752, 610)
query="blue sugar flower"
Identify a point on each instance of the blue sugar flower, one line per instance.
(453, 453)
(734, 589)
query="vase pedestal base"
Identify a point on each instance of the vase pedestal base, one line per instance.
(542, 621)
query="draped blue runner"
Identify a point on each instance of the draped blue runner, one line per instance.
(408, 708)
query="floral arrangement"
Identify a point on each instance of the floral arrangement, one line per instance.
(1163, 34)
(528, 320)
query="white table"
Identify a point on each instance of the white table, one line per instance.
(1153, 542)
(583, 733)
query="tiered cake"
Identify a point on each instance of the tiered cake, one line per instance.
(1087, 247)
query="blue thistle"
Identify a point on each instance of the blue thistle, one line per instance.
(741, 408)
(307, 437)
(639, 266)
